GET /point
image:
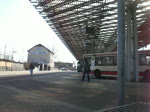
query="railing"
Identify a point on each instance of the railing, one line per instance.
(132, 107)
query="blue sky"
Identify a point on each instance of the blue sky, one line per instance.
(22, 27)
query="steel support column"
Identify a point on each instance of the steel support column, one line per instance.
(121, 51)
(135, 46)
(92, 45)
(128, 46)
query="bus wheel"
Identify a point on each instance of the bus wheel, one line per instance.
(146, 76)
(97, 73)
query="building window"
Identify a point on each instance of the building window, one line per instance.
(45, 61)
(32, 60)
(34, 52)
(38, 48)
(41, 52)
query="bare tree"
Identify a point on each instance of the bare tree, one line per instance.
(54, 50)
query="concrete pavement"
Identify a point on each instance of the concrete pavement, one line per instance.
(26, 72)
(64, 92)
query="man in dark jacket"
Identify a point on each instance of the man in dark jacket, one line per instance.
(86, 70)
(31, 66)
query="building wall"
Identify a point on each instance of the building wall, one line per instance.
(11, 66)
(52, 61)
(39, 55)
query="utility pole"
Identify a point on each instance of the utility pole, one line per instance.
(12, 57)
(12, 54)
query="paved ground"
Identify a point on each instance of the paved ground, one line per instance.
(63, 92)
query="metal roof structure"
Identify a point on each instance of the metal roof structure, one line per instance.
(72, 19)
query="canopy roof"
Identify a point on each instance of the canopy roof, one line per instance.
(79, 22)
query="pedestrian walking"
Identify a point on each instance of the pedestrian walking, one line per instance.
(86, 71)
(31, 66)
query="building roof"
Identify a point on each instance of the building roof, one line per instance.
(70, 19)
(40, 45)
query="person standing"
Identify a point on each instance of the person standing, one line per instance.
(86, 68)
(31, 66)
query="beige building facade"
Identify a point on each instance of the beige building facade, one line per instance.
(42, 56)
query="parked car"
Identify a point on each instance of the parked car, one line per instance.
(63, 69)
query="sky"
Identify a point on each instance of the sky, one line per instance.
(22, 27)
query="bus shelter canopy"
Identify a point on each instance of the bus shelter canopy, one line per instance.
(79, 23)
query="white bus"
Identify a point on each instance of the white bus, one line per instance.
(105, 64)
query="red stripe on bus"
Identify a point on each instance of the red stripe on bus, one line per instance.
(115, 73)
(143, 52)
(109, 72)
(141, 73)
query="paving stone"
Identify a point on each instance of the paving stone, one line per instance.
(15, 100)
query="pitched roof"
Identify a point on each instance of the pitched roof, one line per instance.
(40, 45)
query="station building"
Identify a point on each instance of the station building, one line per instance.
(41, 56)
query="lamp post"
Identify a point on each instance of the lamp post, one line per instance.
(13, 55)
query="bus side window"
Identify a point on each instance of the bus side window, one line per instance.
(115, 60)
(147, 59)
(103, 60)
(143, 59)
(98, 61)
(108, 60)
